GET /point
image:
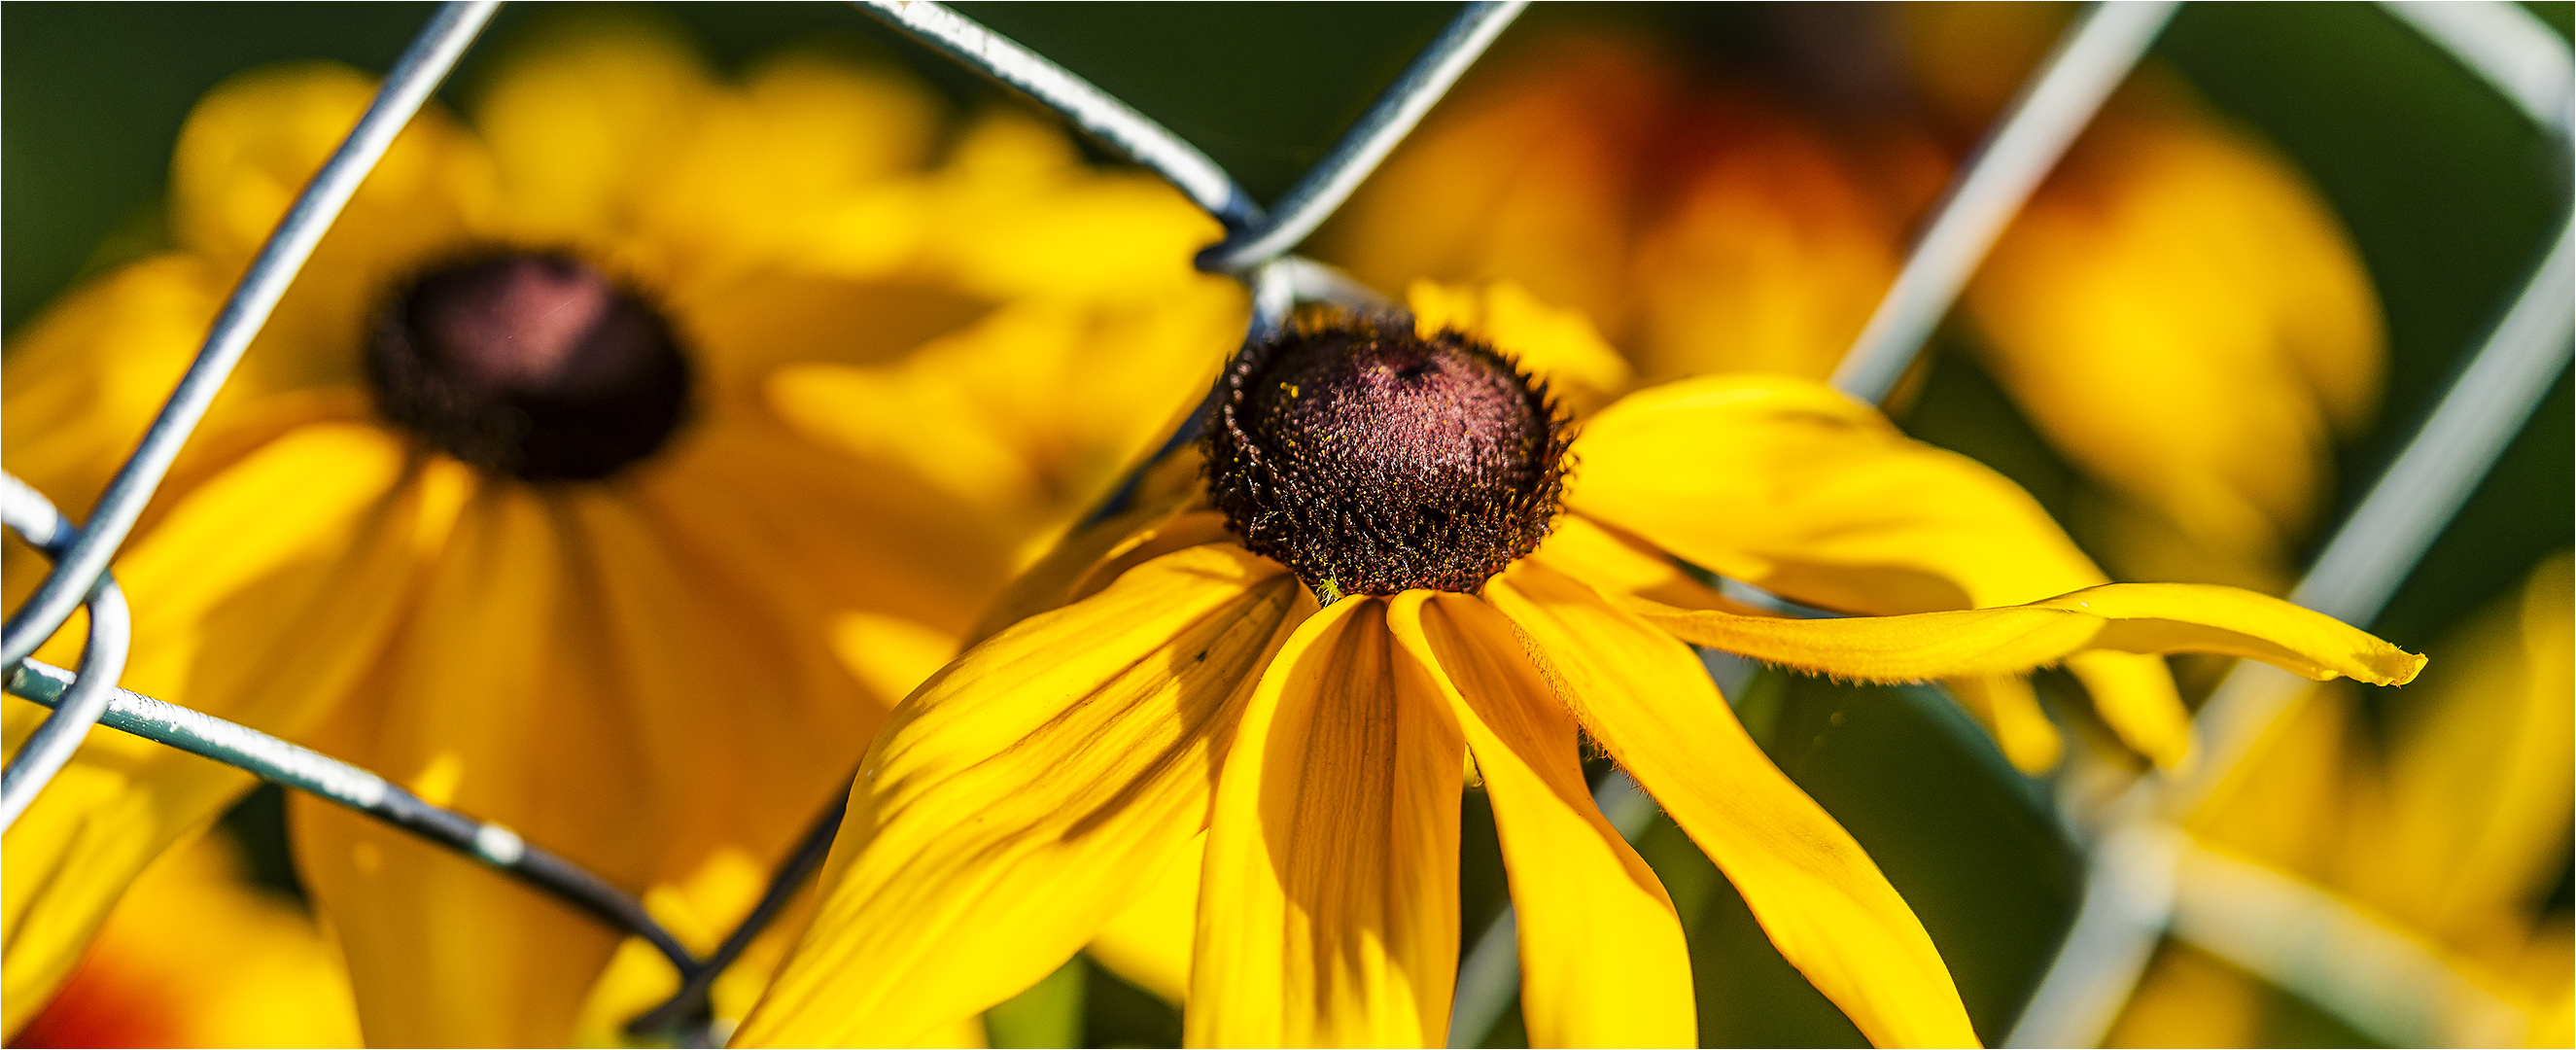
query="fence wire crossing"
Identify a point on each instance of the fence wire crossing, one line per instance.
(2372, 551)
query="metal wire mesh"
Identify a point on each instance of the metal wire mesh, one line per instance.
(2128, 903)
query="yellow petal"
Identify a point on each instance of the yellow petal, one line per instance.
(2183, 317)
(492, 702)
(1018, 214)
(2135, 695)
(2124, 617)
(2478, 804)
(1775, 248)
(249, 147)
(1556, 345)
(1149, 943)
(1821, 900)
(1603, 962)
(1793, 487)
(1526, 173)
(1002, 817)
(576, 134)
(1790, 486)
(2010, 710)
(197, 954)
(2196, 618)
(260, 597)
(1328, 909)
(1090, 560)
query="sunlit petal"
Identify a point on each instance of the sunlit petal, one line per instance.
(281, 524)
(1602, 957)
(1149, 943)
(1001, 818)
(1821, 900)
(1788, 485)
(1328, 910)
(2124, 617)
(2009, 707)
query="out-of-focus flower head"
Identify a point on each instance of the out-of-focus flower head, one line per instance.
(1262, 686)
(2177, 310)
(2446, 824)
(197, 954)
(600, 477)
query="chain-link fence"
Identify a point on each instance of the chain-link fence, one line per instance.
(2131, 847)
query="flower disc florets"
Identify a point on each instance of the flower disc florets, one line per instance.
(1373, 460)
(530, 364)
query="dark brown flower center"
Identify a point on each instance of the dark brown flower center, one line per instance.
(1372, 460)
(530, 364)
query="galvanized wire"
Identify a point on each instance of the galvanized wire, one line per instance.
(35, 520)
(417, 73)
(318, 774)
(2090, 60)
(2505, 45)
(1094, 111)
(2131, 885)
(1401, 106)
(2129, 894)
(2093, 56)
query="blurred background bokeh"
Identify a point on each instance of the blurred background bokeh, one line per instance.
(2444, 194)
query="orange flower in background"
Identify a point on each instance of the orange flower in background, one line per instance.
(601, 477)
(2178, 311)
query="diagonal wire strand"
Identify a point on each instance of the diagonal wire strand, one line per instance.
(34, 519)
(2129, 895)
(1401, 106)
(422, 66)
(2091, 59)
(1096, 112)
(311, 771)
(2059, 99)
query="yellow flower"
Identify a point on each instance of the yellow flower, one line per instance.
(1182, 695)
(2177, 310)
(2450, 830)
(593, 479)
(198, 955)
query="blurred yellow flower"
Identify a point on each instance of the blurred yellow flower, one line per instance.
(2451, 827)
(598, 477)
(1284, 673)
(2177, 310)
(198, 955)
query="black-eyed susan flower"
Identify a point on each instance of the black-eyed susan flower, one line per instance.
(1396, 557)
(2176, 310)
(595, 478)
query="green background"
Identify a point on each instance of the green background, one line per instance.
(2450, 196)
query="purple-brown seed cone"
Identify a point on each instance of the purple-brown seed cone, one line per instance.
(1373, 460)
(530, 364)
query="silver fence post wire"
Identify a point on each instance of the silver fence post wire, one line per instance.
(2054, 106)
(318, 774)
(35, 520)
(2382, 982)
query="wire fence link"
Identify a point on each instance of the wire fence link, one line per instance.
(2378, 544)
(33, 517)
